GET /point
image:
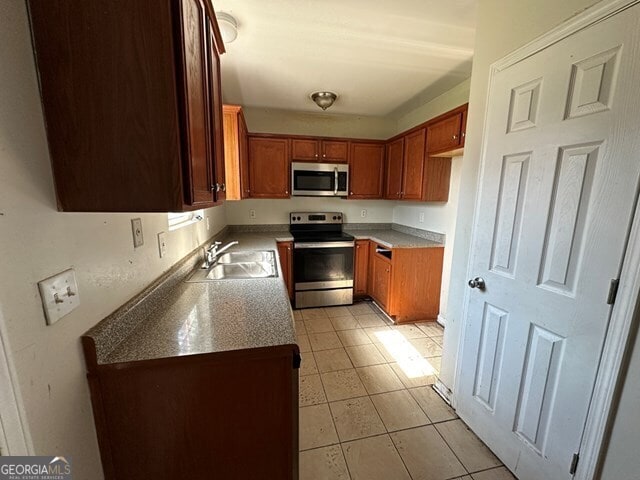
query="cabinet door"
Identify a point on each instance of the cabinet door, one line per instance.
(305, 149)
(445, 134)
(366, 170)
(335, 151)
(361, 268)
(381, 279)
(268, 167)
(393, 183)
(413, 171)
(199, 157)
(285, 253)
(216, 129)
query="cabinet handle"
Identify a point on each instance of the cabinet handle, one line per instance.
(316, 155)
(463, 134)
(215, 188)
(286, 191)
(455, 137)
(324, 155)
(350, 193)
(223, 187)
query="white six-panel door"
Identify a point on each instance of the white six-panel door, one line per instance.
(558, 188)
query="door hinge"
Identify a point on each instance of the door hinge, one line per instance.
(574, 463)
(613, 291)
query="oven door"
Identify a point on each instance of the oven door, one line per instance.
(322, 265)
(319, 179)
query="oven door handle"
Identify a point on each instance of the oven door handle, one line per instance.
(323, 245)
(335, 186)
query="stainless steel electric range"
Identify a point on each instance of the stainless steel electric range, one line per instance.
(322, 259)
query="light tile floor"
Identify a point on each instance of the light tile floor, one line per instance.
(367, 408)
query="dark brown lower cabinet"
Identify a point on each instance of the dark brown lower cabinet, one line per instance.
(361, 270)
(285, 252)
(226, 415)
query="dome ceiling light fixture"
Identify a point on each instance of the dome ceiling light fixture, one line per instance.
(228, 27)
(324, 99)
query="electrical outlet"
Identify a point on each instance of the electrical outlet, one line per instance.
(136, 229)
(421, 217)
(162, 244)
(252, 213)
(363, 213)
(59, 295)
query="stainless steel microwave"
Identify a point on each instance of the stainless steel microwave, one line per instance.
(319, 179)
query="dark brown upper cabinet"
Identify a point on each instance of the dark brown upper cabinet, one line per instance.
(405, 167)
(366, 170)
(236, 153)
(447, 136)
(269, 167)
(318, 150)
(132, 103)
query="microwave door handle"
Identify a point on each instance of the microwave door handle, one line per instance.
(335, 185)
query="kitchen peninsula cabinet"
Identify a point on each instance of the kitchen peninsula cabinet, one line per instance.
(147, 123)
(198, 416)
(366, 170)
(406, 282)
(285, 252)
(319, 150)
(269, 167)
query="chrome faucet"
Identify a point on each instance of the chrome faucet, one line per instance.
(212, 252)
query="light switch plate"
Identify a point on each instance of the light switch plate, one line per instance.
(363, 213)
(59, 295)
(421, 217)
(162, 244)
(136, 229)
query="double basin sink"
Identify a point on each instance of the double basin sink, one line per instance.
(239, 265)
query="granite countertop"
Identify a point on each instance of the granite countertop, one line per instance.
(181, 318)
(393, 238)
(196, 318)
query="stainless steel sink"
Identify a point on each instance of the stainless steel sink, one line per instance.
(246, 256)
(241, 270)
(239, 265)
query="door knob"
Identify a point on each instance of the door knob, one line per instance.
(477, 282)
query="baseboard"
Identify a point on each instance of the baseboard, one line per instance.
(444, 391)
(441, 321)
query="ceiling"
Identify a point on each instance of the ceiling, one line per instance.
(375, 54)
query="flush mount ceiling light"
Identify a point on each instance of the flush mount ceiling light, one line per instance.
(228, 27)
(324, 99)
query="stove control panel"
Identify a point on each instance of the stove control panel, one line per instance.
(315, 218)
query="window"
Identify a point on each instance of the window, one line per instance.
(182, 219)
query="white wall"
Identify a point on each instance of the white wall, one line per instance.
(36, 242)
(414, 114)
(501, 28)
(621, 460)
(277, 211)
(260, 120)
